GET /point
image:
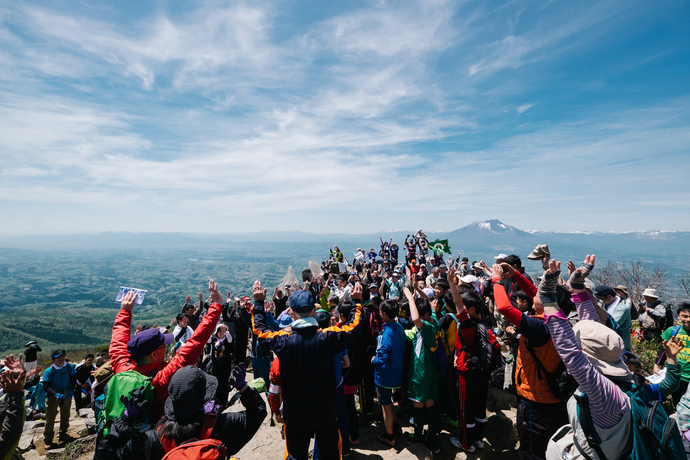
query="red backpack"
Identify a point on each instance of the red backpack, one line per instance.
(206, 449)
(195, 449)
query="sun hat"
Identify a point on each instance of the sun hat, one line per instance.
(285, 320)
(649, 292)
(622, 288)
(189, 390)
(472, 280)
(539, 252)
(602, 346)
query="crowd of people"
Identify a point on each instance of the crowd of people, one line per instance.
(422, 338)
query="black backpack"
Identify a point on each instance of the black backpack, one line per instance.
(668, 319)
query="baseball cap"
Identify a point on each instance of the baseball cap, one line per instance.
(146, 342)
(602, 290)
(302, 301)
(189, 389)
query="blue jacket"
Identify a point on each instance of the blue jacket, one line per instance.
(60, 380)
(390, 352)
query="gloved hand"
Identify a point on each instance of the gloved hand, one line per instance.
(577, 279)
(59, 396)
(135, 404)
(69, 396)
(239, 378)
(549, 282)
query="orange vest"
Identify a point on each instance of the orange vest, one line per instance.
(527, 380)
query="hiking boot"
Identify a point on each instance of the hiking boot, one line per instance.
(457, 444)
(66, 439)
(383, 437)
(539, 252)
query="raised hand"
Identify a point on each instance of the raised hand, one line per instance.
(356, 291)
(547, 286)
(571, 268)
(577, 279)
(239, 377)
(127, 302)
(672, 347)
(497, 271)
(11, 381)
(507, 268)
(216, 296)
(450, 276)
(258, 291)
(188, 299)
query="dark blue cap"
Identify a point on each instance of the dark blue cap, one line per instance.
(602, 290)
(146, 342)
(302, 301)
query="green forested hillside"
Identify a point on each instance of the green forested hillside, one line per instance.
(67, 299)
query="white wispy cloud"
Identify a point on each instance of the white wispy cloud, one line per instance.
(524, 107)
(233, 111)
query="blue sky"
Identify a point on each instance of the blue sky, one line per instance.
(343, 116)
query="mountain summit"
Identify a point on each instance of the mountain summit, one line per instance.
(490, 226)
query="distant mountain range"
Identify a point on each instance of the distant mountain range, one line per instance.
(478, 240)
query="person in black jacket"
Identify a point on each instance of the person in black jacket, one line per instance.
(187, 411)
(307, 372)
(31, 355)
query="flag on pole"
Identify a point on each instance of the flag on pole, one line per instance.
(439, 246)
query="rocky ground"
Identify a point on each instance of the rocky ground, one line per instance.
(501, 439)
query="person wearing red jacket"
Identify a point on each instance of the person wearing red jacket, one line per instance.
(145, 352)
(540, 413)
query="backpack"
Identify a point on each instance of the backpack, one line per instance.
(668, 319)
(441, 354)
(375, 326)
(560, 382)
(655, 435)
(123, 384)
(485, 356)
(206, 449)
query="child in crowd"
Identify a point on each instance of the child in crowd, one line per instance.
(388, 366)
(422, 387)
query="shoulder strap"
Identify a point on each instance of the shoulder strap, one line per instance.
(585, 418)
(540, 367)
